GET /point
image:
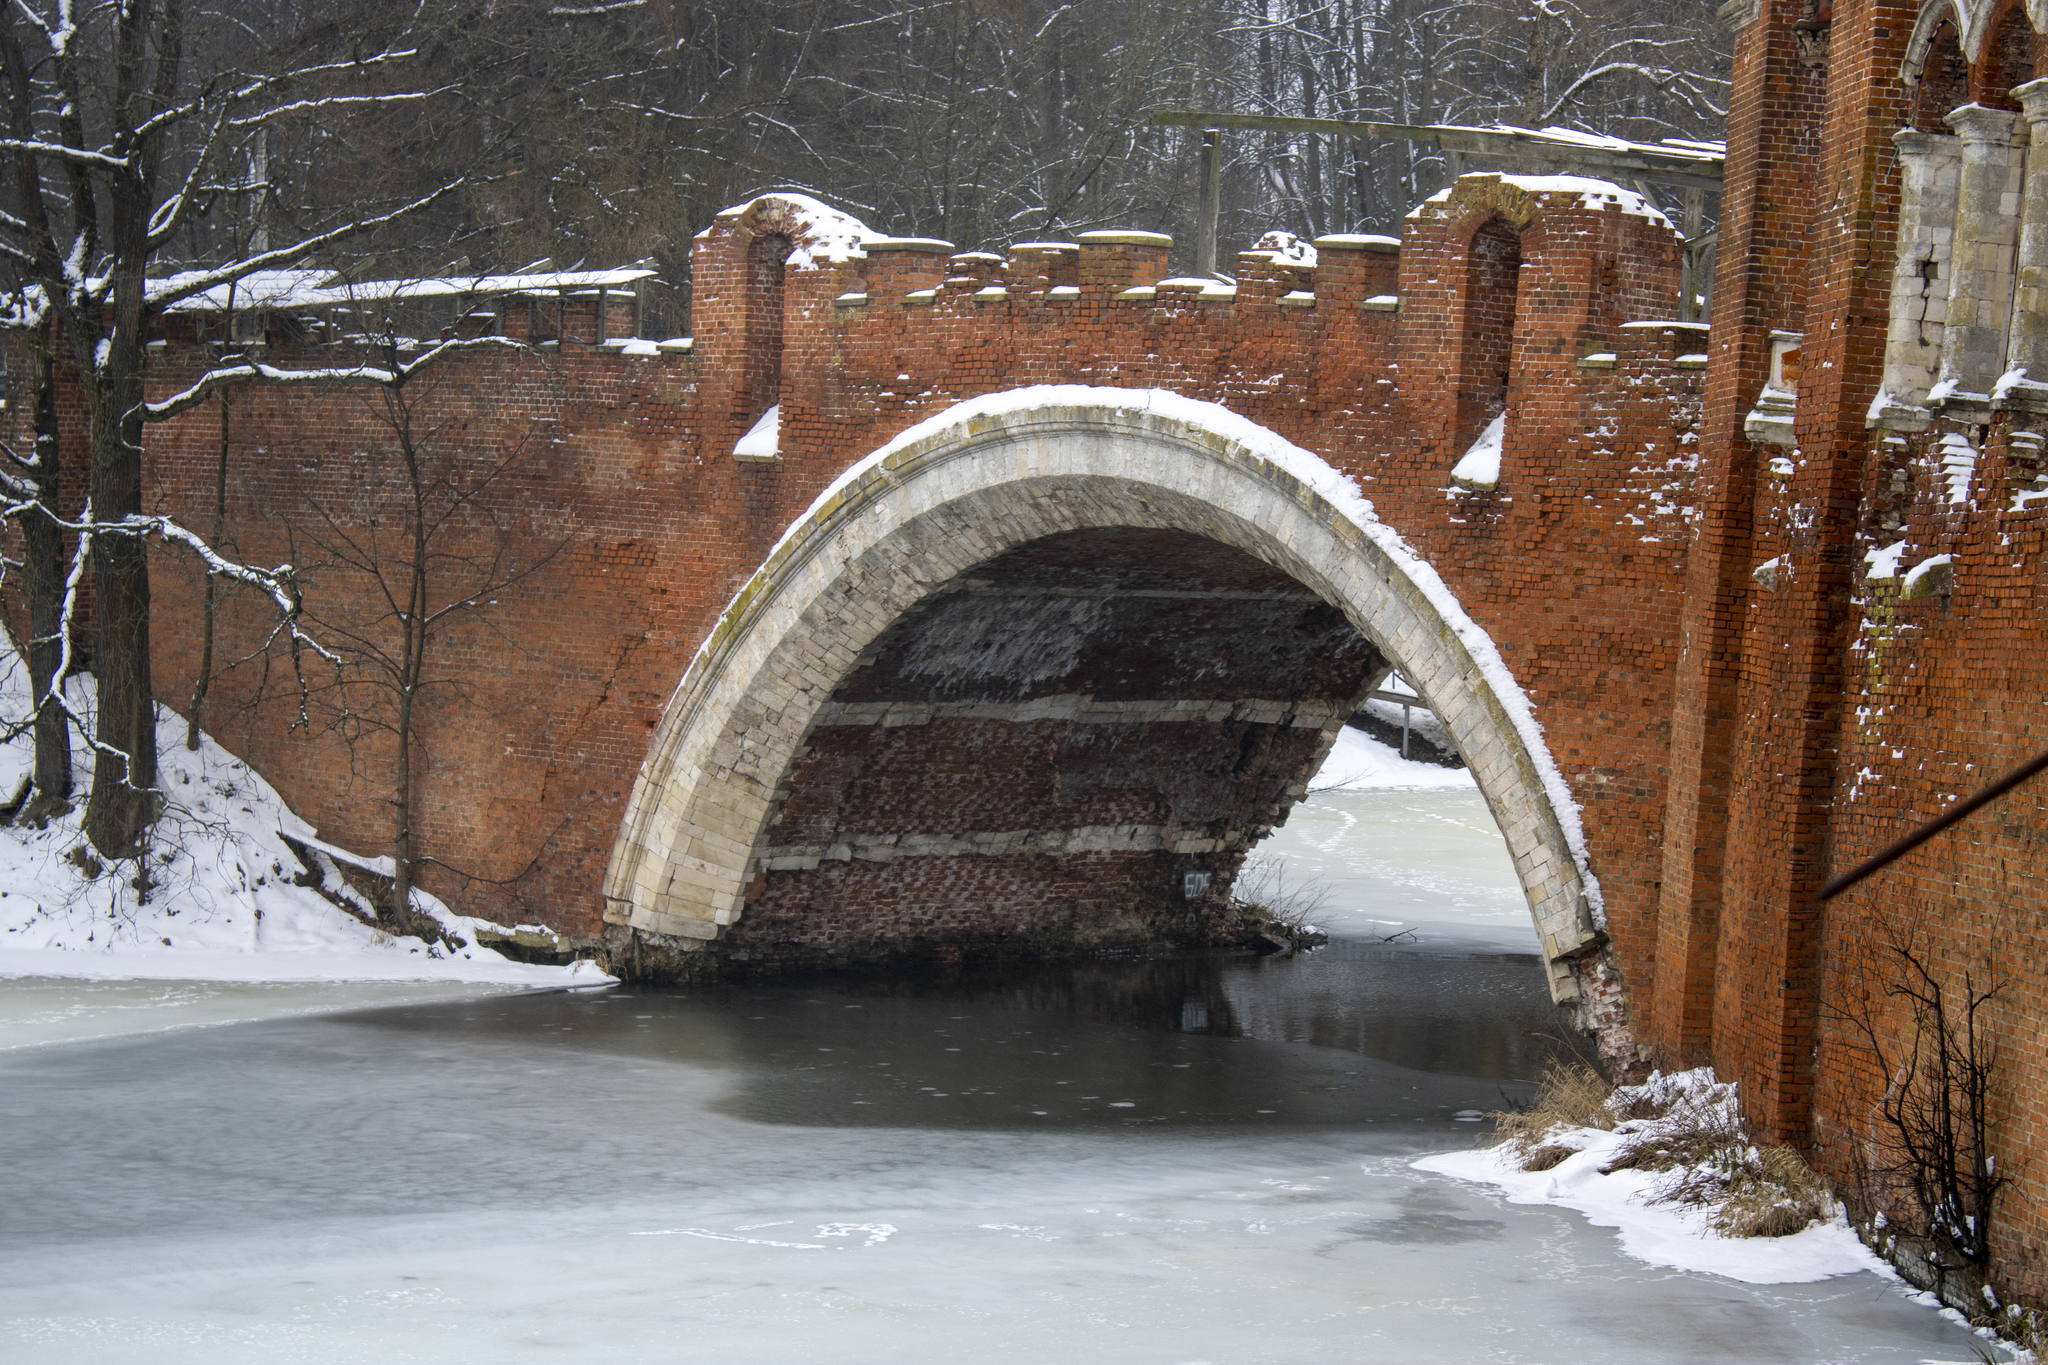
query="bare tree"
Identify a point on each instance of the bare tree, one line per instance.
(1933, 1133)
(32, 485)
(1600, 66)
(113, 147)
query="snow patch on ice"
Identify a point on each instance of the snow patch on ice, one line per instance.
(1663, 1234)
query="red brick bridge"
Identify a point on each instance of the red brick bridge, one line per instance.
(928, 601)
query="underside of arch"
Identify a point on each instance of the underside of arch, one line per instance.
(1034, 663)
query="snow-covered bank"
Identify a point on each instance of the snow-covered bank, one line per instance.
(222, 900)
(1358, 762)
(1653, 1227)
(1660, 1234)
(47, 1011)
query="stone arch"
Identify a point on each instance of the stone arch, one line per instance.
(1970, 20)
(1942, 79)
(993, 474)
(2005, 57)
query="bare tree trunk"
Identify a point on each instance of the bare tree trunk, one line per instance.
(123, 800)
(43, 551)
(412, 663)
(220, 516)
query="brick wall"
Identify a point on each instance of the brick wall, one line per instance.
(1824, 708)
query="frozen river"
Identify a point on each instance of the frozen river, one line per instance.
(1151, 1161)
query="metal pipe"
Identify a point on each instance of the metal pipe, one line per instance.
(1935, 826)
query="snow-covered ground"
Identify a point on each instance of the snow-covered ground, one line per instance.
(1358, 762)
(1658, 1232)
(222, 903)
(1653, 1231)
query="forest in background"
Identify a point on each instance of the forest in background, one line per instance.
(608, 133)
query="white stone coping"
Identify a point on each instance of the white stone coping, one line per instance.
(1359, 241)
(1124, 237)
(928, 245)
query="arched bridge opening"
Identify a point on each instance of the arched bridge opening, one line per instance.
(1045, 667)
(1075, 742)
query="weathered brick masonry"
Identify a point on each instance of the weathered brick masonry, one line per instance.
(1863, 620)
(1774, 592)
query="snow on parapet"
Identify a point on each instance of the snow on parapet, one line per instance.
(1284, 248)
(824, 235)
(1593, 194)
(1306, 467)
(763, 440)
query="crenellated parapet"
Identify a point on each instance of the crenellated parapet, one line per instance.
(1351, 344)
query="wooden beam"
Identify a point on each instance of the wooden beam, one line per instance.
(1667, 165)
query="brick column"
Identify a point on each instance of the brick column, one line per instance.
(1768, 200)
(1929, 169)
(2028, 348)
(1788, 720)
(1980, 285)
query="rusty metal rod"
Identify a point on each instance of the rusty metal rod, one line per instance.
(2034, 766)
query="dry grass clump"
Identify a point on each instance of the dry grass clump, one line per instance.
(1695, 1131)
(1571, 1096)
(1685, 1125)
(1755, 1191)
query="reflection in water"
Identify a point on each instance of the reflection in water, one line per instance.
(1190, 1041)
